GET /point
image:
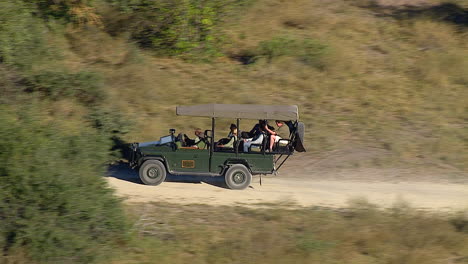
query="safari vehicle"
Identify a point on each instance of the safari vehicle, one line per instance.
(154, 160)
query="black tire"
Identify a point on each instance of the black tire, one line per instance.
(238, 177)
(152, 172)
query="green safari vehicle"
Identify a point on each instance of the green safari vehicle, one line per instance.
(155, 160)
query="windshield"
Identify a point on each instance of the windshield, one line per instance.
(161, 141)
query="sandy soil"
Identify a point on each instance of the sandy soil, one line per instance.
(303, 182)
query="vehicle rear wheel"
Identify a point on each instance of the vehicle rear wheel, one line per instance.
(152, 172)
(238, 177)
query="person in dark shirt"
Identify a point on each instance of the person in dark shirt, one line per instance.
(275, 135)
(257, 128)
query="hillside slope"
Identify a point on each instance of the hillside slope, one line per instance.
(360, 76)
(366, 75)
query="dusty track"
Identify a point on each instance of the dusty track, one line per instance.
(296, 185)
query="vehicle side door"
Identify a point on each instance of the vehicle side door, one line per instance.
(191, 160)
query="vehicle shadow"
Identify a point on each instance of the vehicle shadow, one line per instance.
(122, 171)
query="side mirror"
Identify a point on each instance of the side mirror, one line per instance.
(172, 131)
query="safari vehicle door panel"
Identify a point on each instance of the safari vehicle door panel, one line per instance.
(189, 160)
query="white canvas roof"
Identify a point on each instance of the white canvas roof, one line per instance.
(242, 111)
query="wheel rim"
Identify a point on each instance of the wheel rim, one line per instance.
(238, 177)
(153, 173)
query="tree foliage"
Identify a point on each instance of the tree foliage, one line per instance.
(53, 200)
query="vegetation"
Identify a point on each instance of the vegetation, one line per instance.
(53, 204)
(379, 82)
(277, 234)
(366, 74)
(364, 80)
(84, 86)
(174, 27)
(308, 51)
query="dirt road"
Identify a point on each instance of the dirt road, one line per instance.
(333, 188)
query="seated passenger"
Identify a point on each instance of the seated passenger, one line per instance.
(258, 136)
(275, 135)
(233, 130)
(231, 140)
(223, 141)
(256, 129)
(198, 141)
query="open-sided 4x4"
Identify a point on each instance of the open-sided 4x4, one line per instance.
(154, 160)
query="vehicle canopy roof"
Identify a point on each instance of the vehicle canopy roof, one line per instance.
(241, 111)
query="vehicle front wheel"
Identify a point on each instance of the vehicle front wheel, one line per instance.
(152, 172)
(238, 177)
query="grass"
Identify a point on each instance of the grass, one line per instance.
(359, 79)
(361, 234)
(398, 85)
(364, 79)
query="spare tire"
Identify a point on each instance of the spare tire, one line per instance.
(299, 141)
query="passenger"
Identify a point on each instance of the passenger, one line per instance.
(231, 140)
(258, 135)
(232, 128)
(198, 141)
(224, 141)
(256, 129)
(275, 135)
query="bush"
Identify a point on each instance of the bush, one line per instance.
(110, 121)
(75, 11)
(276, 47)
(309, 51)
(112, 124)
(85, 86)
(312, 53)
(175, 27)
(54, 203)
(21, 35)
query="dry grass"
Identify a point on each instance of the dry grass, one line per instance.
(398, 85)
(363, 234)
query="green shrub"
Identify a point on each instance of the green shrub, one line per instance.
(312, 53)
(54, 203)
(9, 86)
(85, 86)
(309, 51)
(112, 124)
(276, 47)
(109, 121)
(22, 40)
(74, 11)
(175, 27)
